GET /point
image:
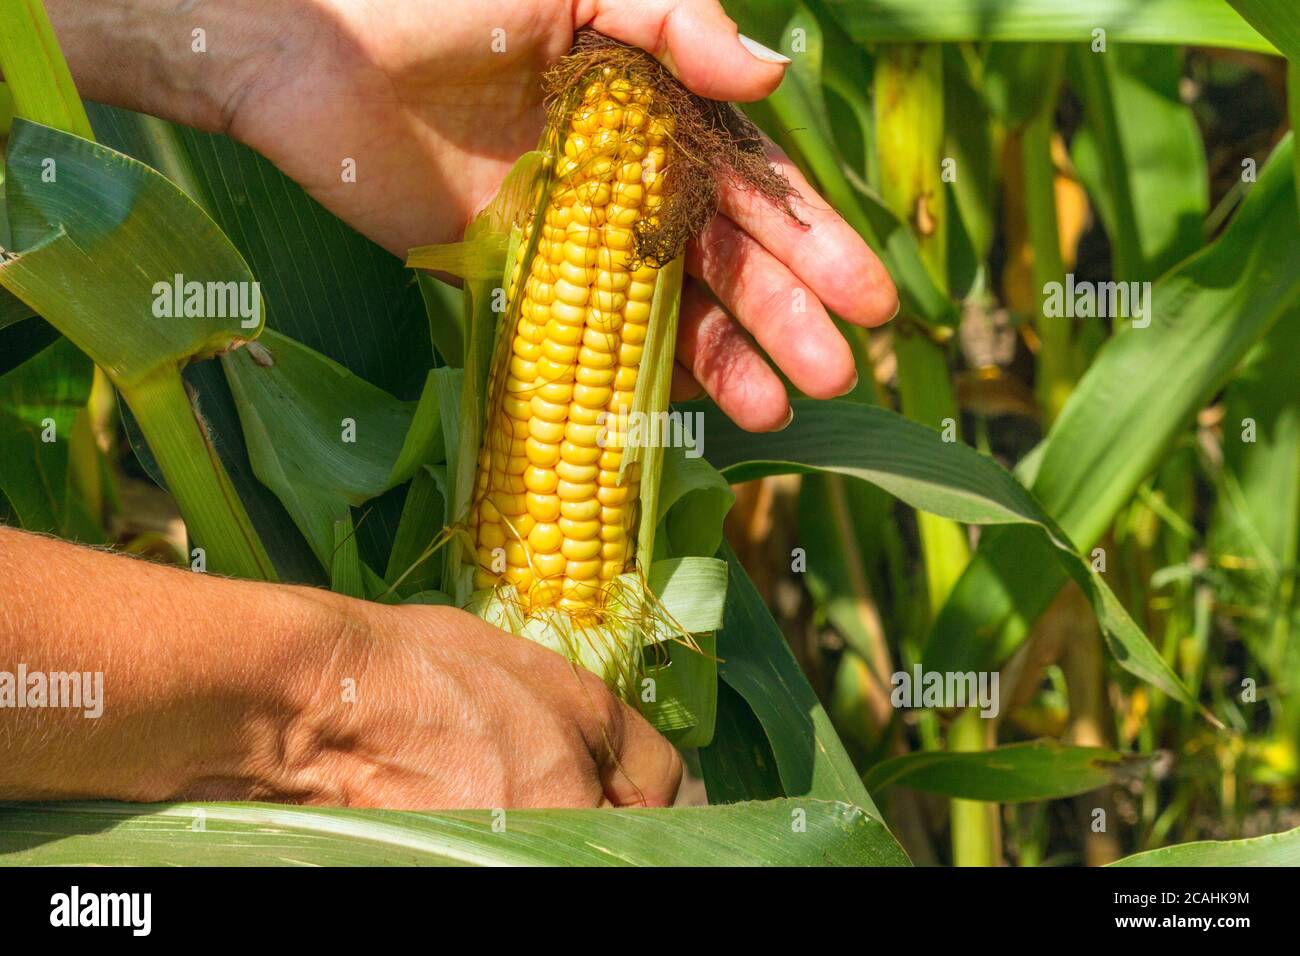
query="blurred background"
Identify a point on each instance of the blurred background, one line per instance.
(989, 170)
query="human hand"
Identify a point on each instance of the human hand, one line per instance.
(217, 689)
(451, 712)
(412, 92)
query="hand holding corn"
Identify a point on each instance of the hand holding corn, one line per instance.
(435, 100)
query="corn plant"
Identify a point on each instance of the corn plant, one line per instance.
(1085, 513)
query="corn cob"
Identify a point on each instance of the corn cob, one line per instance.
(554, 513)
(557, 494)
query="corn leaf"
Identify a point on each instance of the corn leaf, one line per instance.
(684, 708)
(691, 593)
(446, 314)
(345, 561)
(413, 565)
(1015, 773)
(95, 246)
(1276, 849)
(915, 465)
(23, 339)
(738, 764)
(345, 298)
(100, 243)
(756, 662)
(1142, 390)
(39, 402)
(324, 284)
(323, 439)
(969, 140)
(12, 309)
(1141, 157)
(244, 834)
(653, 386)
(6, 109)
(38, 82)
(520, 196)
(474, 259)
(1180, 22)
(1257, 521)
(1279, 20)
(693, 500)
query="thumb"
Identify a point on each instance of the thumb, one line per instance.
(696, 40)
(642, 769)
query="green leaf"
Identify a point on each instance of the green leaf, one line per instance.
(738, 764)
(347, 298)
(6, 108)
(97, 251)
(1257, 518)
(345, 561)
(1141, 157)
(446, 314)
(1179, 22)
(101, 241)
(23, 339)
(1015, 773)
(841, 526)
(1139, 394)
(40, 399)
(914, 464)
(1276, 849)
(325, 285)
(413, 562)
(250, 834)
(686, 692)
(757, 663)
(12, 309)
(693, 500)
(323, 439)
(36, 74)
(691, 593)
(1279, 20)
(1019, 80)
(692, 590)
(968, 139)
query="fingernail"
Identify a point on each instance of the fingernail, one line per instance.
(760, 52)
(897, 309)
(789, 417)
(853, 386)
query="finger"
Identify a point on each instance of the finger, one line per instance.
(783, 314)
(725, 361)
(696, 40)
(826, 253)
(684, 386)
(645, 770)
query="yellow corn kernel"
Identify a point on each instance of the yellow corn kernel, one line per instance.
(568, 471)
(549, 565)
(578, 491)
(544, 507)
(580, 454)
(545, 538)
(541, 481)
(589, 510)
(542, 454)
(594, 376)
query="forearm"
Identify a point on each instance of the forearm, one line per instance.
(203, 679)
(145, 55)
